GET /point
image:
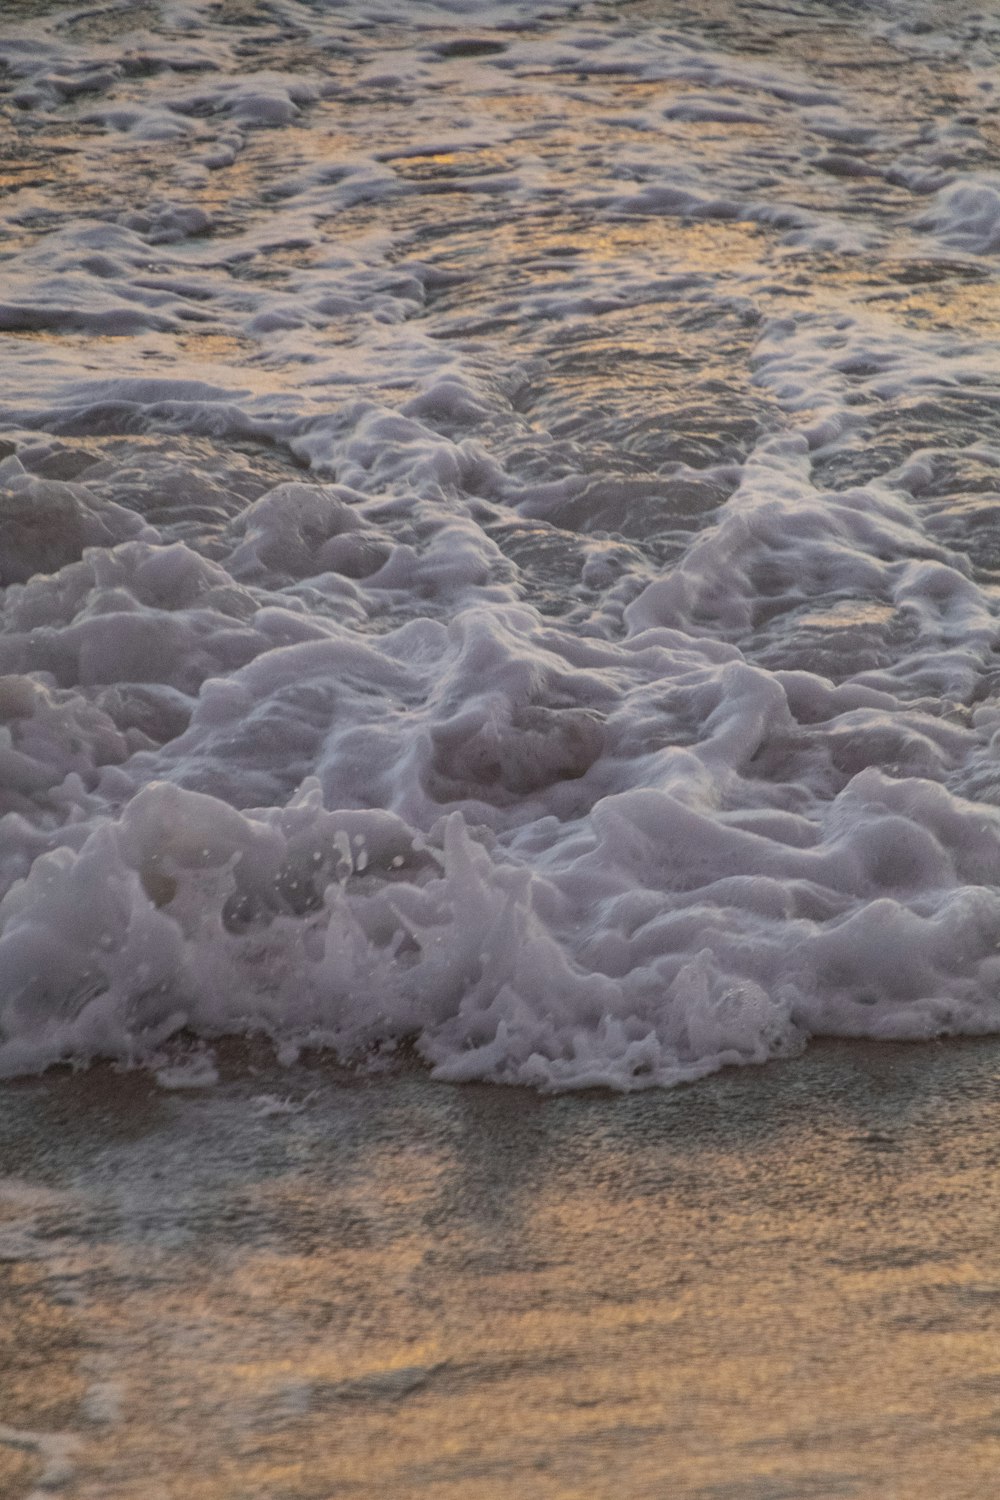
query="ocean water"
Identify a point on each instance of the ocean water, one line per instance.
(498, 542)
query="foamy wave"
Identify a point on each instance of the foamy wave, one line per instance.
(497, 550)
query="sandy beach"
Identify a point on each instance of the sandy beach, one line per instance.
(776, 1284)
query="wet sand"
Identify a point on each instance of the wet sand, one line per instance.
(778, 1284)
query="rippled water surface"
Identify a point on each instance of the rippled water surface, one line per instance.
(498, 543)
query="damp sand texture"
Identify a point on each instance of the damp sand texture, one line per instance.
(294, 1287)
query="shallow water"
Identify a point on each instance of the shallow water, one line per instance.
(295, 1286)
(498, 547)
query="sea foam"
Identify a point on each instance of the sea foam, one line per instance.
(496, 545)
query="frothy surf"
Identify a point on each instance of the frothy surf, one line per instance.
(497, 542)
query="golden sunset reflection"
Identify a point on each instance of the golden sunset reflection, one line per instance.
(848, 613)
(523, 1295)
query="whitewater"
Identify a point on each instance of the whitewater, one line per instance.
(498, 534)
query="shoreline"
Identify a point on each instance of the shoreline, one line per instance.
(777, 1283)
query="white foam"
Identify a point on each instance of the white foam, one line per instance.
(479, 565)
(966, 214)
